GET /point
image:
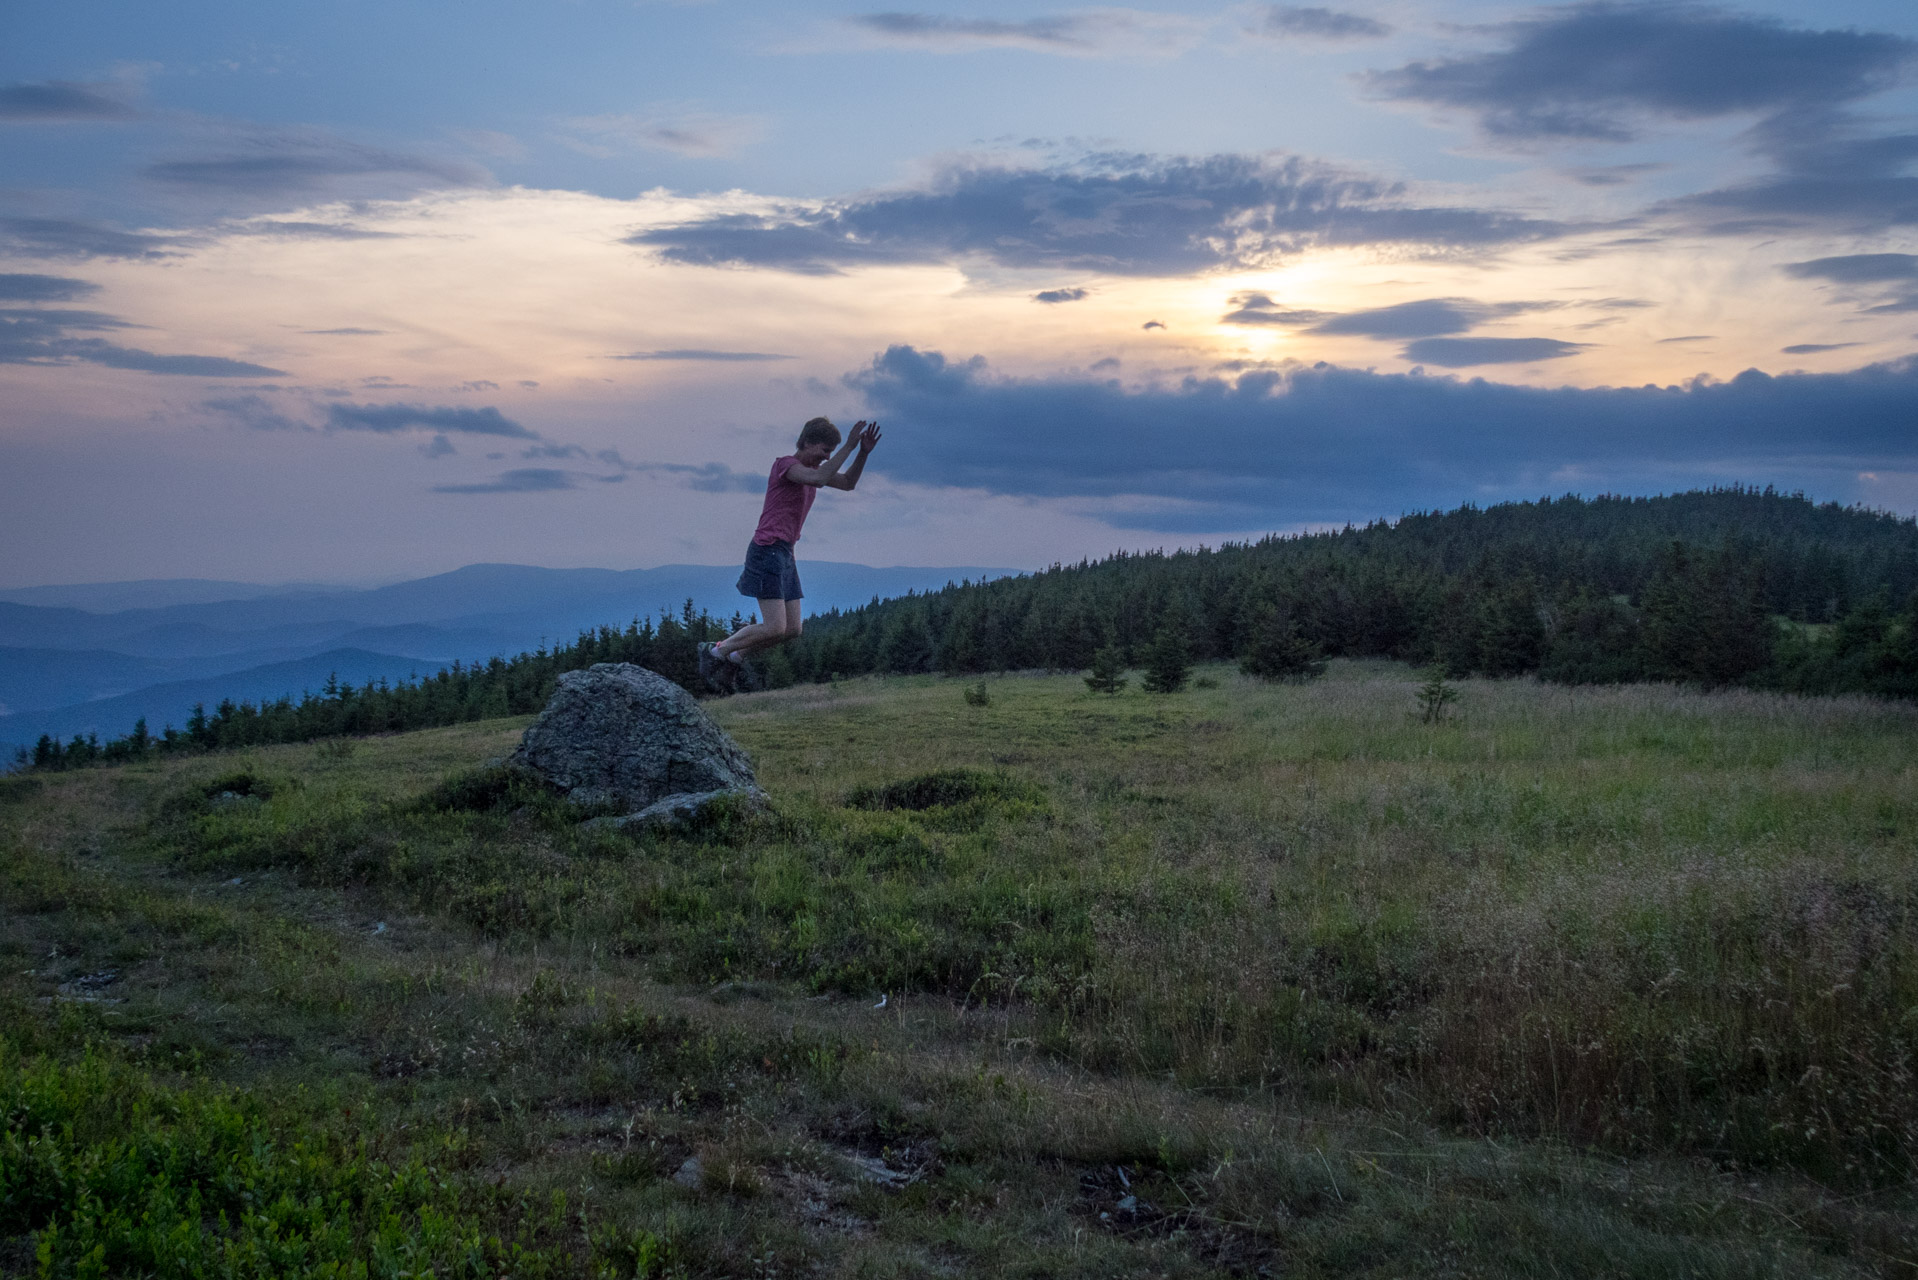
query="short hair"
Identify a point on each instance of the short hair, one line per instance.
(819, 431)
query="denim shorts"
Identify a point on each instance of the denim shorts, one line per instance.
(770, 573)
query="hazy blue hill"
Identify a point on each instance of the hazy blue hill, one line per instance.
(65, 668)
(155, 593)
(515, 598)
(172, 702)
(37, 679)
(41, 679)
(197, 640)
(29, 626)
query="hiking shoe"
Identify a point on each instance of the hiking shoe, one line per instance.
(709, 665)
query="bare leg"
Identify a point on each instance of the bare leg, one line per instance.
(779, 622)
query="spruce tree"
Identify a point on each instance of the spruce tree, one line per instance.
(906, 646)
(1435, 695)
(1278, 651)
(1512, 638)
(1168, 660)
(1108, 671)
(1595, 640)
(1704, 618)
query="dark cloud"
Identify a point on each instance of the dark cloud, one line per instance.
(105, 353)
(709, 477)
(1426, 318)
(522, 480)
(702, 353)
(936, 30)
(696, 134)
(60, 101)
(1813, 348)
(1321, 24)
(1328, 443)
(1689, 337)
(1596, 70)
(308, 231)
(1258, 308)
(46, 323)
(1153, 324)
(20, 287)
(1463, 353)
(344, 333)
(1060, 295)
(438, 447)
(285, 165)
(1120, 214)
(46, 336)
(477, 384)
(1857, 268)
(1831, 175)
(1090, 32)
(1612, 175)
(255, 412)
(389, 418)
(59, 238)
(1865, 269)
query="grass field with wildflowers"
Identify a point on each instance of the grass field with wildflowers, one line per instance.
(1016, 979)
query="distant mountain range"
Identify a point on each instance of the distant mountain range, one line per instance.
(95, 657)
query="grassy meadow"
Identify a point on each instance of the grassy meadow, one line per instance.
(1248, 980)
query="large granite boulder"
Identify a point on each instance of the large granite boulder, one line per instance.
(617, 734)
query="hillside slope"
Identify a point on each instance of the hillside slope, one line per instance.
(1249, 979)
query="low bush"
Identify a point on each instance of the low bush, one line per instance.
(112, 1174)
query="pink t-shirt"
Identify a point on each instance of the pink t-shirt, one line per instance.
(787, 502)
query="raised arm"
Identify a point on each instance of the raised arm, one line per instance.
(849, 479)
(826, 474)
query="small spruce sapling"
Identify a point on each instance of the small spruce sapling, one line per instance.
(1108, 671)
(1435, 695)
(1168, 661)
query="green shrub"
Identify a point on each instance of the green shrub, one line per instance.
(114, 1175)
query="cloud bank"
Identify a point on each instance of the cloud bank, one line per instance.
(65, 238)
(27, 287)
(60, 102)
(1601, 70)
(1327, 443)
(48, 336)
(281, 165)
(386, 419)
(1119, 214)
(1316, 23)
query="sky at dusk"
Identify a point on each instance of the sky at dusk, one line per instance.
(353, 292)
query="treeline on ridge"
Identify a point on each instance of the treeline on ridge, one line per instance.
(1713, 587)
(1730, 586)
